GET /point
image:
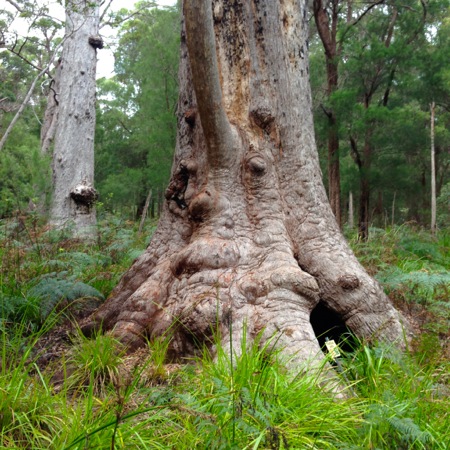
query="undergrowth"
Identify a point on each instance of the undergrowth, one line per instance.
(96, 397)
(413, 267)
(43, 270)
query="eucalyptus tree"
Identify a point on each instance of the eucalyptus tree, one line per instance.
(376, 58)
(74, 194)
(247, 239)
(34, 52)
(330, 18)
(137, 123)
(26, 56)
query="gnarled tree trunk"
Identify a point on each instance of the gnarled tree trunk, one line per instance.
(247, 236)
(73, 156)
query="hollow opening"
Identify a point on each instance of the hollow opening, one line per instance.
(329, 325)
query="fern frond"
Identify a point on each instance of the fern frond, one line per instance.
(51, 291)
(408, 430)
(134, 253)
(427, 281)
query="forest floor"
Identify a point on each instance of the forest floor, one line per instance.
(59, 390)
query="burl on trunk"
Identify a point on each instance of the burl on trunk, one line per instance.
(247, 237)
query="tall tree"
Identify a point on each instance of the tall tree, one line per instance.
(326, 16)
(247, 238)
(73, 156)
(383, 44)
(136, 130)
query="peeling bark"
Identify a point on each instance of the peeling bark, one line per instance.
(247, 237)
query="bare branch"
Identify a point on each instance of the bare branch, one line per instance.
(105, 10)
(118, 22)
(28, 96)
(11, 2)
(125, 127)
(18, 54)
(358, 19)
(354, 152)
(328, 113)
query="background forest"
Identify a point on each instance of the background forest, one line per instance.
(377, 70)
(391, 66)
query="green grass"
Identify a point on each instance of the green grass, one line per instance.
(95, 397)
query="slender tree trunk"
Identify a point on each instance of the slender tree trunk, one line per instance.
(350, 211)
(364, 185)
(433, 172)
(334, 173)
(247, 237)
(25, 101)
(145, 210)
(326, 23)
(49, 125)
(393, 209)
(73, 157)
(364, 213)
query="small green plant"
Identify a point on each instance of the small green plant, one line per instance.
(28, 416)
(94, 362)
(397, 393)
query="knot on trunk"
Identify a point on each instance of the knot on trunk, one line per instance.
(263, 118)
(202, 206)
(348, 282)
(96, 42)
(179, 182)
(189, 117)
(84, 195)
(257, 164)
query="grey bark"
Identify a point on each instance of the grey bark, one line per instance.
(247, 237)
(74, 196)
(50, 121)
(350, 210)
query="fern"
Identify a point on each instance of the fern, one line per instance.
(421, 282)
(134, 253)
(408, 431)
(423, 249)
(14, 307)
(52, 290)
(80, 261)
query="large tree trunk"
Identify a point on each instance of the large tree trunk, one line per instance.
(247, 237)
(73, 156)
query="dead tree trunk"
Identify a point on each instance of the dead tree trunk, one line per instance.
(73, 156)
(247, 236)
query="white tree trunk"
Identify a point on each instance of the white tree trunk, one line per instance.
(433, 172)
(74, 196)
